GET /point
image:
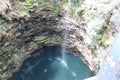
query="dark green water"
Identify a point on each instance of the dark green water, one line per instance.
(48, 65)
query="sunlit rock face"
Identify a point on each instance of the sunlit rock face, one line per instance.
(100, 20)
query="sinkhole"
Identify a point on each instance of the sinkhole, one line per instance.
(47, 64)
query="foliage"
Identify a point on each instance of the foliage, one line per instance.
(73, 6)
(101, 36)
(26, 5)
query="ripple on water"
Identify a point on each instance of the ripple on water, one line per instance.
(51, 66)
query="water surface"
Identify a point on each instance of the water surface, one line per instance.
(49, 65)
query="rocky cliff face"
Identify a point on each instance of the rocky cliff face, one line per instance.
(90, 33)
(100, 19)
(23, 37)
(92, 30)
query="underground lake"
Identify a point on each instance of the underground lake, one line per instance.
(47, 64)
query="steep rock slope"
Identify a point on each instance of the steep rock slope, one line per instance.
(90, 33)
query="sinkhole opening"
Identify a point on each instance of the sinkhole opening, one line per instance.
(47, 64)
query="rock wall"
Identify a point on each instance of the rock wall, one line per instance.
(100, 19)
(91, 31)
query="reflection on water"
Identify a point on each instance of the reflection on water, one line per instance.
(48, 65)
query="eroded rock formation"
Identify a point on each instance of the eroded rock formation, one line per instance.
(89, 34)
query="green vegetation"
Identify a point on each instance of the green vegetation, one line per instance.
(101, 36)
(24, 6)
(40, 25)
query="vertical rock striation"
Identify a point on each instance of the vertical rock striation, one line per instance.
(91, 32)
